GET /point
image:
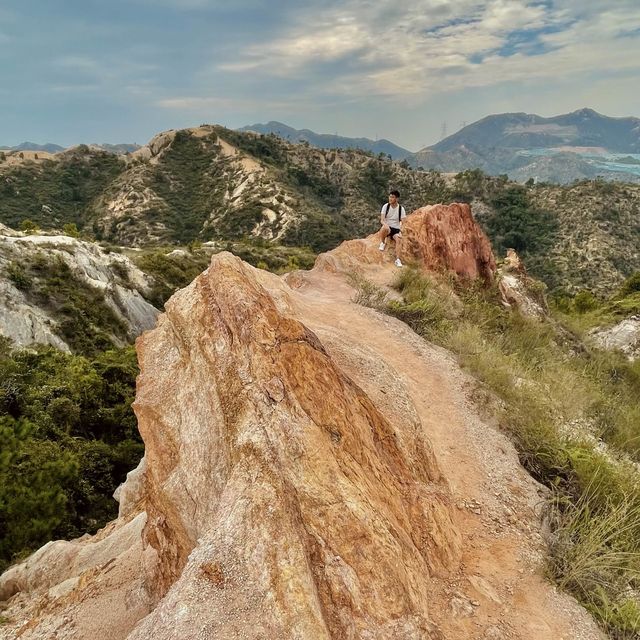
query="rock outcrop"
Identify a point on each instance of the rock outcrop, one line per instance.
(26, 323)
(446, 237)
(442, 238)
(623, 336)
(518, 290)
(291, 487)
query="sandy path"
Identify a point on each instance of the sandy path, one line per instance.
(498, 592)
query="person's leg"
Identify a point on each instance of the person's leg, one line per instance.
(382, 234)
(397, 238)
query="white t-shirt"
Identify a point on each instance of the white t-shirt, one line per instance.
(393, 217)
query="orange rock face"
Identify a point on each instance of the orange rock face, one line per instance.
(302, 507)
(447, 238)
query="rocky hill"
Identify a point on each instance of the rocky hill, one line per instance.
(329, 141)
(312, 469)
(32, 146)
(230, 188)
(582, 128)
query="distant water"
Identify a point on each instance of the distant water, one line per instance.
(606, 162)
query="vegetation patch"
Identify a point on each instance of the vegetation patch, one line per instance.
(170, 273)
(52, 193)
(69, 437)
(190, 179)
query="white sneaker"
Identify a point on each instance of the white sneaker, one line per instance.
(398, 263)
(381, 247)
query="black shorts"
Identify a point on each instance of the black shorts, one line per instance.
(393, 231)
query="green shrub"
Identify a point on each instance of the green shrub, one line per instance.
(71, 229)
(69, 438)
(28, 226)
(170, 273)
(18, 275)
(585, 301)
(630, 285)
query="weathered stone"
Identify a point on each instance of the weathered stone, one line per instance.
(624, 336)
(26, 323)
(520, 291)
(278, 498)
(447, 238)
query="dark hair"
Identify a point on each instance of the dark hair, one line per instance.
(395, 193)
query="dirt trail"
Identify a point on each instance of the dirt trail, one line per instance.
(498, 591)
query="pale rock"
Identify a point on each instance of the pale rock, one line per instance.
(624, 336)
(23, 323)
(130, 494)
(27, 324)
(516, 288)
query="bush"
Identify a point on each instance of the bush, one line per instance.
(585, 301)
(28, 226)
(18, 275)
(70, 229)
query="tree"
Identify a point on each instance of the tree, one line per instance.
(70, 229)
(28, 226)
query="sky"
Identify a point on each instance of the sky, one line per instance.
(411, 71)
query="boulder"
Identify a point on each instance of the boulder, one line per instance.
(518, 290)
(623, 336)
(447, 238)
(443, 238)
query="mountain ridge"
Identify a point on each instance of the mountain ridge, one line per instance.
(328, 141)
(577, 145)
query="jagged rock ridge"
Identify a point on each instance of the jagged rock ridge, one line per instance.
(291, 487)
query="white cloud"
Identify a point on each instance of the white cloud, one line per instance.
(430, 46)
(201, 104)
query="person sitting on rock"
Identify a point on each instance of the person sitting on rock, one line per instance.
(391, 216)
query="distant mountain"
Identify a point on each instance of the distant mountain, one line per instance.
(32, 146)
(118, 149)
(577, 145)
(328, 141)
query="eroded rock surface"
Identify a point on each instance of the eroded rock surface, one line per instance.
(308, 469)
(26, 323)
(446, 237)
(306, 510)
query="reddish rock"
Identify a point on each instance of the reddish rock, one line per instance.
(447, 238)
